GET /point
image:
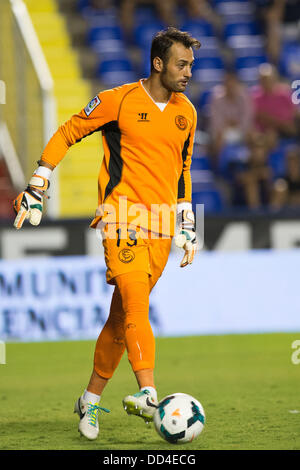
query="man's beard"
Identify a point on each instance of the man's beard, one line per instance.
(170, 86)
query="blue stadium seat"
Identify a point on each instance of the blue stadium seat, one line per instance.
(241, 29)
(202, 175)
(82, 4)
(277, 157)
(104, 33)
(144, 15)
(208, 71)
(145, 62)
(247, 68)
(241, 10)
(290, 60)
(236, 154)
(109, 47)
(201, 163)
(211, 198)
(209, 47)
(203, 31)
(106, 39)
(102, 16)
(217, 3)
(144, 33)
(243, 46)
(113, 56)
(197, 28)
(277, 162)
(116, 72)
(244, 38)
(204, 99)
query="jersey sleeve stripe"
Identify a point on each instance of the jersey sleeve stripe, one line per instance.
(181, 182)
(112, 135)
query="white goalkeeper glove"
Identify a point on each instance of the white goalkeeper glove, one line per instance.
(29, 203)
(186, 238)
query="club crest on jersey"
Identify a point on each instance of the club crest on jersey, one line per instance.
(92, 105)
(181, 122)
(126, 255)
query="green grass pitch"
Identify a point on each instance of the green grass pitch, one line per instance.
(248, 386)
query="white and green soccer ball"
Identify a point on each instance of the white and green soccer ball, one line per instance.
(179, 418)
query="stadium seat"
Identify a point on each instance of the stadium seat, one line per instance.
(144, 15)
(204, 100)
(197, 28)
(103, 15)
(209, 47)
(211, 197)
(204, 190)
(241, 29)
(241, 10)
(115, 65)
(277, 162)
(116, 72)
(277, 157)
(106, 39)
(109, 47)
(236, 154)
(247, 68)
(145, 62)
(144, 33)
(202, 180)
(201, 163)
(243, 46)
(208, 71)
(203, 31)
(82, 4)
(104, 33)
(244, 38)
(290, 60)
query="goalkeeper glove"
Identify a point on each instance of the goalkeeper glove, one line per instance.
(186, 238)
(29, 203)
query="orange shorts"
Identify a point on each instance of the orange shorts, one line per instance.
(130, 251)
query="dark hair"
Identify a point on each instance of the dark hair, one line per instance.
(163, 40)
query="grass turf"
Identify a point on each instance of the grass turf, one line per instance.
(248, 386)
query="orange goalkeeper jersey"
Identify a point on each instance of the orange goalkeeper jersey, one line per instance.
(147, 152)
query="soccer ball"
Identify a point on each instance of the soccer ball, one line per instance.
(179, 418)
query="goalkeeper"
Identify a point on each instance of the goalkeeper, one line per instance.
(148, 132)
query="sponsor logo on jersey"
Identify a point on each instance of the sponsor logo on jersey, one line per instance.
(181, 122)
(143, 117)
(92, 105)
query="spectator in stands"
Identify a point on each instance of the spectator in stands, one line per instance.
(286, 191)
(252, 180)
(231, 116)
(272, 103)
(166, 10)
(277, 17)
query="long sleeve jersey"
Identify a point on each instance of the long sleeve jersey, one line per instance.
(147, 152)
